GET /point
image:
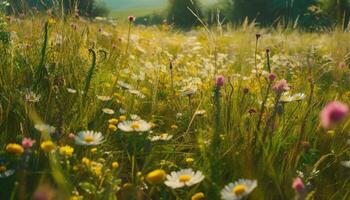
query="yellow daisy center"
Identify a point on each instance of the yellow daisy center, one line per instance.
(184, 178)
(239, 189)
(88, 139)
(135, 125)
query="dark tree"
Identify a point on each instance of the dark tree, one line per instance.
(269, 12)
(338, 11)
(180, 13)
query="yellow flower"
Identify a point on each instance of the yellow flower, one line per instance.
(47, 146)
(93, 150)
(14, 148)
(174, 126)
(85, 161)
(76, 197)
(189, 161)
(113, 121)
(112, 127)
(156, 176)
(66, 150)
(115, 165)
(198, 196)
(51, 21)
(108, 85)
(145, 90)
(331, 133)
(122, 118)
(96, 168)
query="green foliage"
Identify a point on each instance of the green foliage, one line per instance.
(4, 33)
(151, 19)
(270, 12)
(182, 13)
(337, 11)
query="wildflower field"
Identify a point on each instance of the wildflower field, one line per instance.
(95, 109)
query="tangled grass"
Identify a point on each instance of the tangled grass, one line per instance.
(223, 104)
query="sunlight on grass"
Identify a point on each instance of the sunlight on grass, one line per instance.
(94, 109)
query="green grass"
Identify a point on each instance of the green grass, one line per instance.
(78, 75)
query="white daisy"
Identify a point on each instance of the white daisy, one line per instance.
(179, 115)
(32, 97)
(161, 137)
(135, 117)
(58, 39)
(124, 85)
(71, 90)
(184, 177)
(98, 18)
(137, 93)
(106, 34)
(200, 112)
(122, 111)
(289, 98)
(89, 138)
(45, 128)
(104, 98)
(345, 163)
(188, 91)
(6, 173)
(134, 126)
(108, 111)
(238, 189)
(299, 96)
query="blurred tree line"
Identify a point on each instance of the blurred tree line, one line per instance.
(89, 8)
(308, 14)
(312, 14)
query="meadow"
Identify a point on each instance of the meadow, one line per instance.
(109, 110)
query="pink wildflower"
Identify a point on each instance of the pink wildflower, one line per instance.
(281, 86)
(27, 143)
(298, 185)
(131, 18)
(220, 81)
(333, 113)
(257, 35)
(271, 76)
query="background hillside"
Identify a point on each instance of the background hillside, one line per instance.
(142, 4)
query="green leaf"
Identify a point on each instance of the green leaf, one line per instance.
(88, 187)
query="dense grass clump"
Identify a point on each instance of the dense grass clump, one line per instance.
(103, 110)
